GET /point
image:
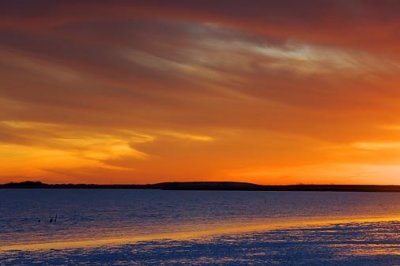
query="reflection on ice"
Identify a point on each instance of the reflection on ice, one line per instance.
(369, 243)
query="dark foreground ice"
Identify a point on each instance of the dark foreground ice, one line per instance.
(376, 243)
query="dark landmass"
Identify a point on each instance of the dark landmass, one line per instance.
(38, 184)
(229, 186)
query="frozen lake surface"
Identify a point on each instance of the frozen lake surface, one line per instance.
(198, 227)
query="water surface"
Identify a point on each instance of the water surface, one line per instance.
(27, 215)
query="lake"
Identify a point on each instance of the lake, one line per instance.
(154, 226)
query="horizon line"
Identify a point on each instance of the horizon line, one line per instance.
(193, 182)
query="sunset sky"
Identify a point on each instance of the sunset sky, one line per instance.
(270, 92)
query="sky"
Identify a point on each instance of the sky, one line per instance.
(269, 92)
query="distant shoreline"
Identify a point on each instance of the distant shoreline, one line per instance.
(208, 186)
